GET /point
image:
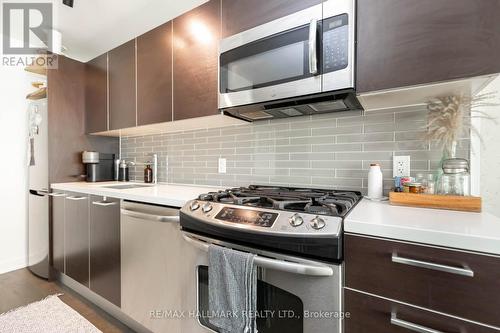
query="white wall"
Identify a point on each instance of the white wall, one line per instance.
(490, 154)
(14, 85)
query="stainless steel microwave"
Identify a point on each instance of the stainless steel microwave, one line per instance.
(296, 65)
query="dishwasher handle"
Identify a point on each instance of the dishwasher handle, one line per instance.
(280, 265)
(150, 217)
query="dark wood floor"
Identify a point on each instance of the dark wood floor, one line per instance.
(20, 288)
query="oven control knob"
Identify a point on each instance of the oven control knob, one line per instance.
(194, 205)
(206, 207)
(318, 223)
(296, 220)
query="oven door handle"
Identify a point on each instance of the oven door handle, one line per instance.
(280, 265)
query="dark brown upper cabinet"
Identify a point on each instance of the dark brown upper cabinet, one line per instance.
(241, 15)
(403, 43)
(96, 90)
(122, 86)
(154, 75)
(196, 42)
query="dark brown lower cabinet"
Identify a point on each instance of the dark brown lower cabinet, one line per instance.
(58, 232)
(370, 314)
(458, 283)
(76, 240)
(105, 248)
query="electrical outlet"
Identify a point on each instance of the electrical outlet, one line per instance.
(222, 165)
(401, 166)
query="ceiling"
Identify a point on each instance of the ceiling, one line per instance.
(93, 27)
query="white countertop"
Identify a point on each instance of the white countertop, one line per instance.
(478, 232)
(173, 195)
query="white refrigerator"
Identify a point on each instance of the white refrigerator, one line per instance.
(38, 203)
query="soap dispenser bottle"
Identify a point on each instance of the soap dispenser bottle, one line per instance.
(148, 174)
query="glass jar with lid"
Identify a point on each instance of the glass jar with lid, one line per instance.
(456, 178)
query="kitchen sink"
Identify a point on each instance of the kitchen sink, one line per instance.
(126, 186)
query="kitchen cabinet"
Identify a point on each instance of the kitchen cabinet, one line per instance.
(122, 86)
(370, 314)
(154, 75)
(96, 98)
(433, 278)
(241, 15)
(105, 248)
(58, 232)
(76, 236)
(405, 43)
(195, 74)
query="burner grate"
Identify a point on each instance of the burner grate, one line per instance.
(314, 201)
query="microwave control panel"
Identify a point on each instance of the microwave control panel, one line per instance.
(335, 43)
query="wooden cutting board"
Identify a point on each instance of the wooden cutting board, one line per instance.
(450, 202)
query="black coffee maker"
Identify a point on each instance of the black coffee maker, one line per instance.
(99, 167)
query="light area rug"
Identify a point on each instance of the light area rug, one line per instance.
(50, 315)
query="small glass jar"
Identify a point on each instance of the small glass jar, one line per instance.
(415, 188)
(430, 184)
(456, 178)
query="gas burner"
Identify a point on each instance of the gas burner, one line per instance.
(307, 200)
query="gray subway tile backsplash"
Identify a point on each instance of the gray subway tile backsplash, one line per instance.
(329, 150)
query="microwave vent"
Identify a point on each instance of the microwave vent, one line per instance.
(256, 115)
(329, 106)
(291, 112)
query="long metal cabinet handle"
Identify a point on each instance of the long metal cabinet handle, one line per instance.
(75, 198)
(104, 203)
(313, 39)
(280, 265)
(150, 217)
(466, 271)
(57, 194)
(411, 326)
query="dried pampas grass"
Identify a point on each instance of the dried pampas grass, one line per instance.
(451, 117)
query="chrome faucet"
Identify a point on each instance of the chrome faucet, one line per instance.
(155, 167)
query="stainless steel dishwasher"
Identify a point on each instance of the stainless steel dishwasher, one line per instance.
(152, 262)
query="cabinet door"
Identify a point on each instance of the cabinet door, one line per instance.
(122, 97)
(76, 240)
(370, 314)
(58, 232)
(96, 98)
(196, 43)
(403, 43)
(241, 15)
(433, 278)
(154, 75)
(105, 248)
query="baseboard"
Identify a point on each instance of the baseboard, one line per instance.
(102, 303)
(12, 265)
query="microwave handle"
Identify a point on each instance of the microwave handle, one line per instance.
(313, 41)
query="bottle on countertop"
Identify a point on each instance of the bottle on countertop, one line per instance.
(123, 172)
(375, 182)
(148, 174)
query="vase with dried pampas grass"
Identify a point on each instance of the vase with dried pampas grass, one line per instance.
(450, 118)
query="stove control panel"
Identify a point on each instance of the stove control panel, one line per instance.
(245, 216)
(263, 220)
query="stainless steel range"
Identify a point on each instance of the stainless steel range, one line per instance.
(296, 234)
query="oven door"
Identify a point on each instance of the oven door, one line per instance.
(293, 295)
(276, 60)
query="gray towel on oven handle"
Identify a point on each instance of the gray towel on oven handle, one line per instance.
(232, 289)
